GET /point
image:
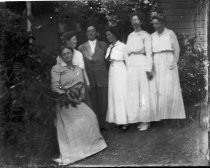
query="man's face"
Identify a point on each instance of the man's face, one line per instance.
(91, 33)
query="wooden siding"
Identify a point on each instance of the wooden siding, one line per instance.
(186, 17)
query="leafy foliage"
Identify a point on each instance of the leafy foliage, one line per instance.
(192, 70)
(30, 115)
(106, 12)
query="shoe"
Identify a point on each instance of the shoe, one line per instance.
(103, 129)
(124, 128)
(140, 125)
(58, 160)
(144, 126)
(65, 162)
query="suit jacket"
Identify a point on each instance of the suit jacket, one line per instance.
(96, 65)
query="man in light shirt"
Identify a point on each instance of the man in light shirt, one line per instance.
(96, 66)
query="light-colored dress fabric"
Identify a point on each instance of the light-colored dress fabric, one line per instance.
(117, 90)
(141, 91)
(77, 127)
(169, 97)
(77, 60)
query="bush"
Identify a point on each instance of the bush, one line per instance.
(28, 123)
(192, 70)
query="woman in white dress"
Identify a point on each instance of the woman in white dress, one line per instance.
(77, 127)
(117, 90)
(70, 40)
(141, 96)
(166, 55)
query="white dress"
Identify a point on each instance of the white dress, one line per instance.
(141, 91)
(117, 90)
(169, 97)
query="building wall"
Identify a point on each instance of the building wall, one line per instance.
(187, 17)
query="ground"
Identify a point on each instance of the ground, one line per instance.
(165, 143)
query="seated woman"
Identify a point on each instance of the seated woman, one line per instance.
(77, 127)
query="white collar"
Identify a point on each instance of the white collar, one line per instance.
(92, 42)
(61, 62)
(117, 43)
(164, 31)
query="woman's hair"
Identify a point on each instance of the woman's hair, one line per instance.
(68, 35)
(63, 47)
(160, 17)
(114, 30)
(140, 15)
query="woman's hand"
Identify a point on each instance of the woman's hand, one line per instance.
(74, 101)
(88, 87)
(173, 64)
(149, 75)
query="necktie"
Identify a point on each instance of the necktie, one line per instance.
(108, 58)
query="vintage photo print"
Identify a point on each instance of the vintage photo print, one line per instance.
(104, 83)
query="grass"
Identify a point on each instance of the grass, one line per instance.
(166, 143)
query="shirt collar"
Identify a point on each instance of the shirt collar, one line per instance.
(164, 32)
(117, 43)
(61, 62)
(92, 42)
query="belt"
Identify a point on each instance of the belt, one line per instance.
(165, 51)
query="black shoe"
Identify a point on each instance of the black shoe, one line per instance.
(103, 129)
(124, 128)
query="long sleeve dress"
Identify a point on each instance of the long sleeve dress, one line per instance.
(77, 127)
(140, 93)
(169, 97)
(78, 60)
(117, 90)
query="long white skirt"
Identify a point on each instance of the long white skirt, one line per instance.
(78, 133)
(169, 97)
(117, 93)
(140, 92)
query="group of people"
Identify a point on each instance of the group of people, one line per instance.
(136, 82)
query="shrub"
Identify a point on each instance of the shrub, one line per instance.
(192, 70)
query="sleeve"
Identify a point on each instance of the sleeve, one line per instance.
(80, 48)
(58, 59)
(148, 51)
(81, 61)
(175, 45)
(125, 54)
(55, 78)
(106, 46)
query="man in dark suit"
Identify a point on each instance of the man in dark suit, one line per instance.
(94, 56)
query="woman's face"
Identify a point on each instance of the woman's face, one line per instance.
(72, 42)
(67, 55)
(157, 24)
(135, 21)
(110, 37)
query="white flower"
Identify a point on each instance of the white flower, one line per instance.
(146, 1)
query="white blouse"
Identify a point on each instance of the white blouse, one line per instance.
(77, 60)
(140, 42)
(166, 41)
(118, 52)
